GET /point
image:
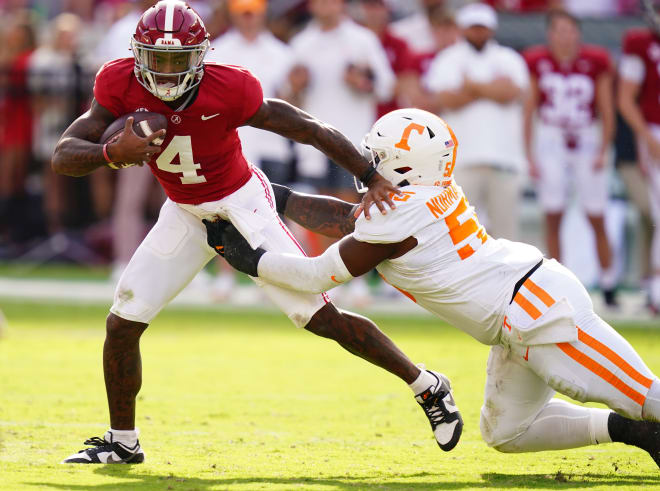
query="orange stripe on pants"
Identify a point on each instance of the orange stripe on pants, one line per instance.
(527, 306)
(539, 292)
(614, 358)
(595, 367)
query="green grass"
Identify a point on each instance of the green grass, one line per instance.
(245, 401)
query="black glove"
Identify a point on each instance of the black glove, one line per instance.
(282, 194)
(227, 241)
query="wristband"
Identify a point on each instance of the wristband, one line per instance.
(367, 176)
(105, 154)
(282, 194)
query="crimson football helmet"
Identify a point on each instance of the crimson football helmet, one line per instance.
(169, 45)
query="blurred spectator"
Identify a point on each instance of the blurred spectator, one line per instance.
(478, 87)
(598, 8)
(571, 96)
(639, 103)
(445, 33)
(16, 46)
(60, 86)
(340, 73)
(416, 29)
(251, 45)
(375, 15)
(636, 191)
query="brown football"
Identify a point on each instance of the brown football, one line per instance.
(144, 124)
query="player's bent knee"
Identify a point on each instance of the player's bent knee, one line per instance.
(497, 434)
(116, 326)
(323, 320)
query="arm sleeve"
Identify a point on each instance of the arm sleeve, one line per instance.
(305, 274)
(103, 95)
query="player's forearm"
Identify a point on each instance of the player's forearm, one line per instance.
(76, 157)
(284, 119)
(321, 214)
(76, 154)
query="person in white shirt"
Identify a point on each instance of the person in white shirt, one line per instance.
(478, 86)
(251, 45)
(533, 312)
(341, 73)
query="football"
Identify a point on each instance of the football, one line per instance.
(144, 123)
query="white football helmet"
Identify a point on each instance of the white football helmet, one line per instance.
(411, 146)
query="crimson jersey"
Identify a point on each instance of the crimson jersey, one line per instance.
(201, 158)
(567, 92)
(645, 45)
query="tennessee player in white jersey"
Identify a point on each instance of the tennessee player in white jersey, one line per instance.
(535, 314)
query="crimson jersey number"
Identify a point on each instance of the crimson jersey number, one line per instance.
(180, 145)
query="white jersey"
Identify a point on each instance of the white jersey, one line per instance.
(456, 271)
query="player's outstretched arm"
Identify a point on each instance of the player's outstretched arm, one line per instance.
(323, 215)
(284, 119)
(338, 264)
(78, 152)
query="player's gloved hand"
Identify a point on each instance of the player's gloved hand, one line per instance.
(282, 194)
(224, 238)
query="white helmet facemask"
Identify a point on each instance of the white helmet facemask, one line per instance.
(411, 146)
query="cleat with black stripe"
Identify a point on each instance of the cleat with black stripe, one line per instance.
(106, 451)
(440, 408)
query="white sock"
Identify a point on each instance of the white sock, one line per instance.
(423, 381)
(127, 437)
(651, 407)
(608, 278)
(561, 425)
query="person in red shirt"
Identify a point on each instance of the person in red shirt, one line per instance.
(571, 89)
(199, 163)
(639, 104)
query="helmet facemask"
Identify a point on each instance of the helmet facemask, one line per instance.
(169, 71)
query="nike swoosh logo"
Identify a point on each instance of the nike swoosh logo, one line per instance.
(204, 118)
(450, 407)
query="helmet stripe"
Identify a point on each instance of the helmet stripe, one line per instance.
(169, 19)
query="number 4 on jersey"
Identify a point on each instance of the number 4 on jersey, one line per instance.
(180, 145)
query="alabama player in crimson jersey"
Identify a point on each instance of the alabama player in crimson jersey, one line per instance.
(534, 312)
(639, 103)
(571, 108)
(200, 165)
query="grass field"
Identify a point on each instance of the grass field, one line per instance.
(245, 401)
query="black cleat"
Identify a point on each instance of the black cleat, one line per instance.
(641, 434)
(105, 451)
(440, 408)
